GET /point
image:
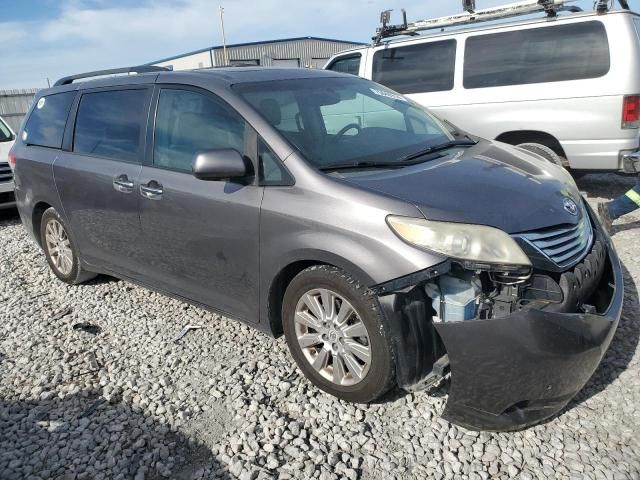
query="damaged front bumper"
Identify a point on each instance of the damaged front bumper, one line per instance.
(508, 372)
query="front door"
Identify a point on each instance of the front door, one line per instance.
(201, 237)
(98, 179)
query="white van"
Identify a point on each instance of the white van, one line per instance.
(567, 87)
(7, 138)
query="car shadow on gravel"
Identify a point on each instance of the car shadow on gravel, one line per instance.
(605, 185)
(624, 227)
(82, 436)
(9, 216)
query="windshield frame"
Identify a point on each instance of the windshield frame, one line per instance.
(446, 132)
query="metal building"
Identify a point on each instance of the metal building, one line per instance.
(14, 104)
(306, 52)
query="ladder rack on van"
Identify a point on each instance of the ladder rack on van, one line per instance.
(113, 71)
(471, 15)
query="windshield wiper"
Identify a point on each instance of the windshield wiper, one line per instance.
(358, 165)
(438, 148)
(395, 164)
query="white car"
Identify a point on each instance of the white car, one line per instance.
(565, 87)
(7, 138)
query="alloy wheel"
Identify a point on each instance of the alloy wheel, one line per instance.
(332, 336)
(59, 247)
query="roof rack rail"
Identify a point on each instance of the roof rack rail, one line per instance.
(471, 15)
(112, 71)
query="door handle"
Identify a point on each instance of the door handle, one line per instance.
(122, 184)
(152, 190)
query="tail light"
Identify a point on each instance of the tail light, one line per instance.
(12, 161)
(631, 111)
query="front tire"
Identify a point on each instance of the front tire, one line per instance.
(60, 250)
(336, 334)
(544, 152)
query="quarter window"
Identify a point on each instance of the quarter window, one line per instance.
(271, 170)
(419, 68)
(110, 124)
(189, 122)
(349, 65)
(45, 126)
(539, 55)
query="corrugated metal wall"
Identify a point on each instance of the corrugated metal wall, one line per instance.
(14, 104)
(307, 50)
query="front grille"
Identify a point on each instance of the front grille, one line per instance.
(5, 173)
(564, 245)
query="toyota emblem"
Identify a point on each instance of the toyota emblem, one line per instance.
(570, 206)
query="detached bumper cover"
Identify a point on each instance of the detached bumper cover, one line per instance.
(514, 371)
(517, 370)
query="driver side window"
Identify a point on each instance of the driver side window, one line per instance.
(189, 122)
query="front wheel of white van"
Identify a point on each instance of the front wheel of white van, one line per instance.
(336, 334)
(544, 152)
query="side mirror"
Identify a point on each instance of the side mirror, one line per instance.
(219, 165)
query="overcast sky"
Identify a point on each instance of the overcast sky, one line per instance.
(53, 38)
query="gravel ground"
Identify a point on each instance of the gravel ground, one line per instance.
(226, 401)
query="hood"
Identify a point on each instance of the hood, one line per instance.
(488, 184)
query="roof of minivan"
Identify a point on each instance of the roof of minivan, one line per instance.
(222, 75)
(260, 74)
(492, 26)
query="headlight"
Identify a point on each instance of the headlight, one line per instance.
(478, 246)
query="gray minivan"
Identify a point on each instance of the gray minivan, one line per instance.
(394, 251)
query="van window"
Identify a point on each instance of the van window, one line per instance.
(189, 122)
(549, 54)
(45, 126)
(110, 124)
(419, 68)
(350, 64)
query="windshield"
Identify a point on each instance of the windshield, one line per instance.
(5, 133)
(343, 121)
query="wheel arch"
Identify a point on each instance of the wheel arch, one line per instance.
(36, 218)
(516, 137)
(287, 272)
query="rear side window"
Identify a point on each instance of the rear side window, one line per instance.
(190, 122)
(420, 68)
(110, 124)
(549, 54)
(350, 64)
(45, 125)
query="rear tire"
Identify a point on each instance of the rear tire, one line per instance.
(543, 151)
(61, 251)
(336, 334)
